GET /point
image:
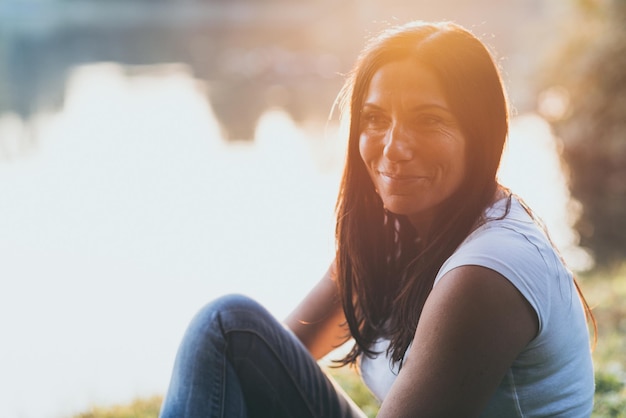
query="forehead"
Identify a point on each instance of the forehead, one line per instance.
(405, 83)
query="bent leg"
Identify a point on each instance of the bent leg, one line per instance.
(204, 383)
(237, 357)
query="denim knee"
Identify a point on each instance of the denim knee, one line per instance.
(225, 312)
(232, 302)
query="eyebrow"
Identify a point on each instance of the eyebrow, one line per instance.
(421, 107)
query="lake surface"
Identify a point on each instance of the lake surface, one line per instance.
(125, 212)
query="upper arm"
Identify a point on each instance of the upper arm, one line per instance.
(473, 326)
(318, 321)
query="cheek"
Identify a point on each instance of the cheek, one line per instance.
(372, 145)
(461, 153)
(369, 156)
(449, 147)
(459, 162)
(365, 149)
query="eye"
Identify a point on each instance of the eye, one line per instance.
(373, 120)
(428, 121)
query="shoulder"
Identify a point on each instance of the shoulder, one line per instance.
(477, 292)
(517, 248)
(514, 246)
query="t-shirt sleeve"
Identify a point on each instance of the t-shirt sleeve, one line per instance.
(518, 257)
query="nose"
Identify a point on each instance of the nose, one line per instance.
(399, 144)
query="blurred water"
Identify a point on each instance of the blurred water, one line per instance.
(131, 212)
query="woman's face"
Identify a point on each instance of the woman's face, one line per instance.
(410, 141)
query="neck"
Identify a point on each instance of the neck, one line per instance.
(423, 222)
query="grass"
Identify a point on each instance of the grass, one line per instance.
(139, 408)
(605, 291)
(350, 381)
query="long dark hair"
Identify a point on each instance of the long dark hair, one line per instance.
(385, 271)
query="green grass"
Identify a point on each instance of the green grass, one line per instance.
(139, 408)
(605, 292)
(350, 381)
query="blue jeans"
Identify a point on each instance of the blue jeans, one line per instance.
(237, 360)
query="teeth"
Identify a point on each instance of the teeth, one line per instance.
(399, 177)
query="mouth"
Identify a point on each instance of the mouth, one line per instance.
(397, 177)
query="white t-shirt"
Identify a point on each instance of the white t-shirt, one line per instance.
(553, 375)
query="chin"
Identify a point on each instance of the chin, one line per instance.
(402, 210)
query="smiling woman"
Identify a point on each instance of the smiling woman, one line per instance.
(457, 302)
(411, 142)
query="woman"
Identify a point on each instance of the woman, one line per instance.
(456, 300)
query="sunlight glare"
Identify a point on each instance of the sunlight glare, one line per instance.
(531, 167)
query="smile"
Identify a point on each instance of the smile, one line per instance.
(392, 177)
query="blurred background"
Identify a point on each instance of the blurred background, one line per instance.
(157, 154)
